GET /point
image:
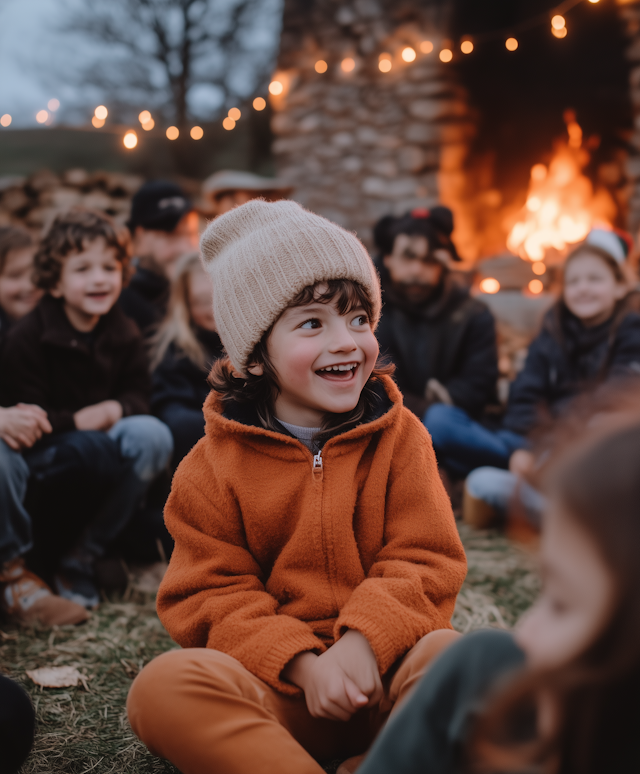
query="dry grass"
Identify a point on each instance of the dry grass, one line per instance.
(82, 730)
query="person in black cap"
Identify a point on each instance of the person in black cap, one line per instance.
(164, 226)
(441, 340)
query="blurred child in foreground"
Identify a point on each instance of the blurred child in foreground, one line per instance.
(79, 358)
(183, 351)
(316, 561)
(562, 694)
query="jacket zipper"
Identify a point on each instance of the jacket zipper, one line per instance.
(317, 464)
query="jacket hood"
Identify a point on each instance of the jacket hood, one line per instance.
(240, 419)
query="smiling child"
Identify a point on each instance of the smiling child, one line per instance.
(317, 561)
(80, 359)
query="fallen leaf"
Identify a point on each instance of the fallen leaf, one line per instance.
(55, 677)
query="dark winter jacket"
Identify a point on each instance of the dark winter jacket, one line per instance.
(46, 361)
(145, 299)
(566, 359)
(451, 338)
(178, 380)
(4, 326)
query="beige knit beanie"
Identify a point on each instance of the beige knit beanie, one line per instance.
(262, 254)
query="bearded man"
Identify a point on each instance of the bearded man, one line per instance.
(441, 339)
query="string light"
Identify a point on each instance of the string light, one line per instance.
(538, 268)
(385, 63)
(321, 66)
(41, 116)
(408, 54)
(561, 33)
(173, 133)
(348, 65)
(426, 46)
(97, 122)
(276, 88)
(229, 124)
(144, 117)
(490, 285)
(234, 114)
(53, 104)
(511, 44)
(466, 47)
(535, 287)
(196, 132)
(101, 112)
(5, 120)
(148, 125)
(259, 103)
(558, 22)
(130, 140)
(446, 55)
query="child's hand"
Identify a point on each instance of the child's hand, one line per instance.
(22, 425)
(341, 681)
(328, 691)
(100, 416)
(521, 462)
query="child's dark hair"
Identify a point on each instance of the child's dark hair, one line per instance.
(13, 238)
(70, 233)
(263, 390)
(596, 480)
(436, 225)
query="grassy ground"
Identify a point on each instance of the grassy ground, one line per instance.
(82, 730)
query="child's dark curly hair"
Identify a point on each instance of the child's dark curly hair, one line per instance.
(71, 233)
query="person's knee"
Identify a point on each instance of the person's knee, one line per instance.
(12, 465)
(147, 442)
(439, 419)
(432, 645)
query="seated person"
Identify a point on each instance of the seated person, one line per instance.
(183, 351)
(441, 340)
(80, 359)
(163, 227)
(24, 597)
(590, 336)
(229, 188)
(560, 695)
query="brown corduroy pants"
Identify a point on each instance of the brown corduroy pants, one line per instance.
(203, 711)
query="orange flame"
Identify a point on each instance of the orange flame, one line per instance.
(561, 206)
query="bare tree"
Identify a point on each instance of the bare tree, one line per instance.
(180, 58)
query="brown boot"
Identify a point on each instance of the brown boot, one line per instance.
(27, 599)
(477, 513)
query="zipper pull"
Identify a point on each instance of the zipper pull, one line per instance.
(317, 462)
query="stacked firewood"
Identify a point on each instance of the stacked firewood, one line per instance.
(34, 201)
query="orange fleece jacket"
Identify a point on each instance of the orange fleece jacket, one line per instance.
(273, 558)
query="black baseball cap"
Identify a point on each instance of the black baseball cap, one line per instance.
(158, 206)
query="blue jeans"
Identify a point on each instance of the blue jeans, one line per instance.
(15, 524)
(501, 488)
(461, 444)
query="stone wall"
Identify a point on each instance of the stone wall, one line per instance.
(358, 145)
(630, 13)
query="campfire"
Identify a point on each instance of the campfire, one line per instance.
(561, 206)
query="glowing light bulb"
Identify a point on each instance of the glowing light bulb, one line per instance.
(535, 287)
(173, 133)
(511, 44)
(490, 285)
(446, 55)
(97, 122)
(426, 46)
(229, 124)
(259, 103)
(348, 64)
(558, 22)
(53, 105)
(130, 140)
(5, 120)
(594, 1)
(538, 268)
(562, 33)
(101, 112)
(276, 88)
(144, 117)
(384, 65)
(148, 125)
(41, 116)
(234, 114)
(196, 132)
(466, 47)
(321, 66)
(408, 54)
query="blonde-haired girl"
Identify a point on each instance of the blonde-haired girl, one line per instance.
(182, 351)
